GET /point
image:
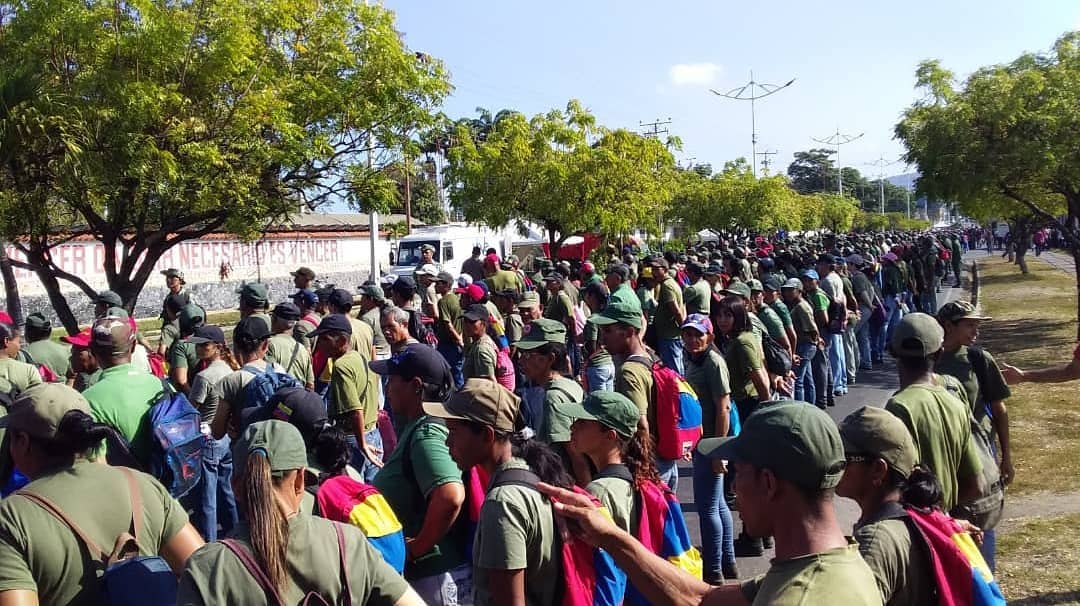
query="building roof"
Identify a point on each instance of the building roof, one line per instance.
(335, 222)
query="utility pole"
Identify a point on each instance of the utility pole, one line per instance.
(656, 128)
(837, 139)
(752, 91)
(766, 162)
(881, 163)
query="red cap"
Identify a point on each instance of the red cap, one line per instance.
(5, 318)
(474, 292)
(492, 258)
(82, 339)
(588, 266)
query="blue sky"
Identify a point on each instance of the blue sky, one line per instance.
(635, 61)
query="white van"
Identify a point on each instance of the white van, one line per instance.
(453, 244)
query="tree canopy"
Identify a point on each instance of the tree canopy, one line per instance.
(155, 122)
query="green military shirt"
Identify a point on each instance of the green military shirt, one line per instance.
(303, 328)
(480, 359)
(292, 356)
(617, 495)
(122, 398)
(958, 364)
(772, 323)
(363, 338)
(555, 427)
(819, 301)
(423, 450)
(626, 295)
(560, 308)
(514, 326)
(647, 302)
(352, 387)
(52, 354)
(449, 313)
(517, 531)
(802, 319)
(598, 356)
(707, 373)
(781, 311)
(182, 354)
(697, 297)
(900, 565)
(170, 333)
(667, 325)
(17, 376)
(743, 356)
(836, 576)
(939, 424)
(505, 280)
(214, 575)
(40, 553)
(204, 393)
(230, 388)
(635, 381)
(372, 318)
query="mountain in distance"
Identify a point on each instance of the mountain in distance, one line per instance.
(906, 181)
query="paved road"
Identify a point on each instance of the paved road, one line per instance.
(871, 388)
(1056, 258)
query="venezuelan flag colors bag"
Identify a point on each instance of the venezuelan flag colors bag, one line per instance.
(343, 499)
(589, 574)
(678, 411)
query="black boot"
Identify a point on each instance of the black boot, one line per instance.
(731, 572)
(747, 546)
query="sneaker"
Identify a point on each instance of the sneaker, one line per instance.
(731, 572)
(767, 542)
(748, 547)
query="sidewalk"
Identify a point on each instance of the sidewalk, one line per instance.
(872, 388)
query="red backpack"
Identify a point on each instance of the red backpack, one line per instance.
(678, 411)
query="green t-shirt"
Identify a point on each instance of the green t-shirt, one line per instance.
(900, 566)
(743, 356)
(292, 356)
(372, 318)
(802, 318)
(819, 301)
(836, 576)
(122, 398)
(707, 373)
(617, 496)
(214, 575)
(505, 280)
(698, 297)
(204, 393)
(598, 355)
(170, 333)
(667, 325)
(52, 354)
(647, 302)
(424, 449)
(514, 326)
(517, 531)
(939, 424)
(772, 323)
(781, 311)
(626, 295)
(40, 553)
(957, 364)
(182, 354)
(480, 358)
(449, 307)
(16, 375)
(555, 427)
(635, 381)
(560, 308)
(352, 387)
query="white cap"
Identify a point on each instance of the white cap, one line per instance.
(464, 281)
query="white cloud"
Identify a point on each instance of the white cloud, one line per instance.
(693, 74)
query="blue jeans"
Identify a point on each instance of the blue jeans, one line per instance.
(669, 472)
(216, 502)
(671, 351)
(455, 358)
(360, 461)
(862, 336)
(804, 375)
(837, 363)
(717, 527)
(893, 315)
(988, 548)
(601, 378)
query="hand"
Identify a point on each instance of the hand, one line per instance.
(373, 455)
(1008, 472)
(796, 360)
(973, 530)
(1012, 374)
(587, 521)
(719, 466)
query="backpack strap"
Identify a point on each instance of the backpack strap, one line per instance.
(619, 471)
(292, 358)
(892, 510)
(515, 477)
(248, 560)
(95, 551)
(255, 371)
(346, 595)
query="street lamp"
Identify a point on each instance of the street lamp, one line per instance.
(752, 91)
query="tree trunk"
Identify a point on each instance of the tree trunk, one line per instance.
(11, 288)
(1076, 274)
(408, 204)
(59, 303)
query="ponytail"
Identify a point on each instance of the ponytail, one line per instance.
(637, 455)
(542, 459)
(268, 524)
(922, 489)
(227, 355)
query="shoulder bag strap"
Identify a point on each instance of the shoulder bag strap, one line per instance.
(346, 589)
(136, 501)
(248, 560)
(292, 359)
(516, 477)
(95, 552)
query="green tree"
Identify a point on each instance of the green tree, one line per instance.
(838, 213)
(1008, 138)
(562, 171)
(812, 171)
(159, 122)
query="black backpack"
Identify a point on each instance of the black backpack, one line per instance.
(777, 359)
(420, 327)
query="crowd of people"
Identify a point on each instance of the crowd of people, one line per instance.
(470, 403)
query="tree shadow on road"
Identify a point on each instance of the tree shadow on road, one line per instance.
(1014, 336)
(1047, 599)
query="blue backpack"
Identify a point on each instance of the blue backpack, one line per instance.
(263, 386)
(178, 442)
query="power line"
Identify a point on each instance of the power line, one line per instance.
(752, 91)
(766, 163)
(881, 163)
(837, 139)
(655, 129)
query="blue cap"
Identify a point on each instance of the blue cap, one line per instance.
(307, 298)
(809, 273)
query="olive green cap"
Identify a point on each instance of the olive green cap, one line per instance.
(480, 401)
(529, 300)
(737, 288)
(540, 332)
(874, 431)
(756, 285)
(797, 441)
(38, 321)
(255, 293)
(39, 410)
(619, 312)
(918, 335)
(954, 311)
(611, 408)
(279, 441)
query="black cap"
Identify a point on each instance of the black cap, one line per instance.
(251, 328)
(304, 409)
(404, 285)
(173, 302)
(416, 360)
(207, 333)
(340, 298)
(333, 323)
(476, 311)
(618, 269)
(323, 294)
(287, 311)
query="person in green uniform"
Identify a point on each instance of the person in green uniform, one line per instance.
(698, 294)
(820, 366)
(807, 340)
(774, 326)
(182, 358)
(298, 553)
(420, 481)
(43, 350)
(707, 373)
(937, 420)
(85, 370)
(107, 299)
(286, 350)
(123, 396)
(529, 307)
(15, 376)
(52, 439)
(254, 301)
(599, 371)
(670, 315)
(789, 459)
(480, 351)
(448, 326)
(170, 323)
(306, 300)
(372, 302)
(516, 546)
(881, 463)
(560, 307)
(617, 279)
(605, 429)
(353, 405)
(771, 296)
